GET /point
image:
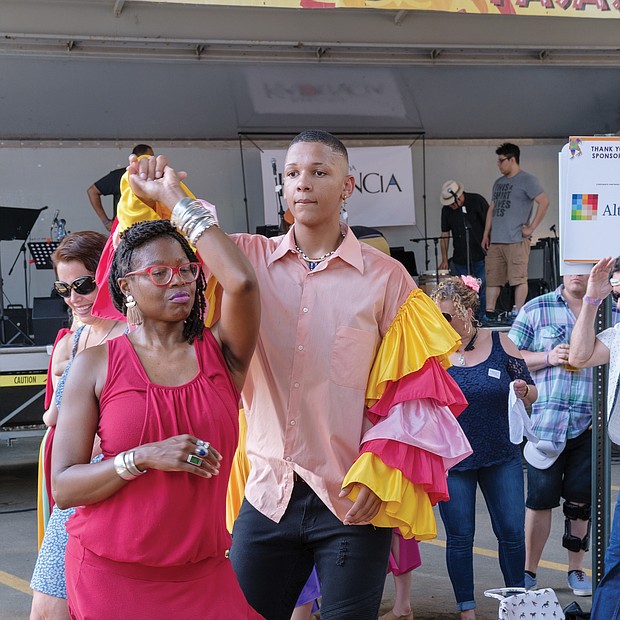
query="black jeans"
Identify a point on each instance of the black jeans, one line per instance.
(273, 560)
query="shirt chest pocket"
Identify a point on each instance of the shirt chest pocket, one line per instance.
(551, 336)
(352, 355)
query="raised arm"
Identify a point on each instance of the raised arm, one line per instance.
(237, 329)
(586, 350)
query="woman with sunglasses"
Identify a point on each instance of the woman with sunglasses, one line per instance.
(484, 366)
(75, 261)
(149, 538)
(588, 349)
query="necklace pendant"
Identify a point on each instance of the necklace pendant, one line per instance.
(461, 359)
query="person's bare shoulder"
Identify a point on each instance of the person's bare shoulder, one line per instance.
(61, 354)
(509, 346)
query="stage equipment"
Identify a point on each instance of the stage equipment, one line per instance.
(17, 224)
(49, 315)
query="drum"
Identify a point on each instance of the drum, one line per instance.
(429, 280)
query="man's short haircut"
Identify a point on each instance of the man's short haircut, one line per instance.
(324, 137)
(616, 267)
(141, 149)
(508, 149)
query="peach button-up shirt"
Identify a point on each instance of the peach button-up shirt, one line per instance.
(304, 393)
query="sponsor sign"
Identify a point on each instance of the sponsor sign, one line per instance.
(589, 201)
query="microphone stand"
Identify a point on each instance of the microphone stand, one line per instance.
(554, 259)
(282, 226)
(22, 250)
(435, 240)
(467, 226)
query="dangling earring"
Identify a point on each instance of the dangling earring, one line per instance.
(344, 216)
(134, 316)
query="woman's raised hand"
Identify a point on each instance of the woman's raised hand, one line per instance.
(598, 282)
(152, 179)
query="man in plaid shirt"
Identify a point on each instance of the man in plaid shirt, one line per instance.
(559, 466)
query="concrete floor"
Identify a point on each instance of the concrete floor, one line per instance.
(431, 593)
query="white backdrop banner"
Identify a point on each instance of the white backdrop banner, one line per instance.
(383, 194)
(589, 201)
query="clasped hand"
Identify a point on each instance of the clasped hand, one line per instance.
(153, 180)
(171, 455)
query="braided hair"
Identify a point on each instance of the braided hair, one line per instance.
(135, 237)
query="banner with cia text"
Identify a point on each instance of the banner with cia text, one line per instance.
(383, 194)
(589, 201)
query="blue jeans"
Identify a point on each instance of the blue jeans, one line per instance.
(273, 560)
(477, 270)
(606, 603)
(502, 487)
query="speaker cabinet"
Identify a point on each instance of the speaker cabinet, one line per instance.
(49, 315)
(16, 326)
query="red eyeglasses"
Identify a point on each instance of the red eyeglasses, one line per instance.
(161, 275)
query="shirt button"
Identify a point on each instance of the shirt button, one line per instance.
(300, 347)
(305, 309)
(295, 385)
(293, 422)
(288, 458)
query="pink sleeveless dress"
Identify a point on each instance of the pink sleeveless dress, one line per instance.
(157, 548)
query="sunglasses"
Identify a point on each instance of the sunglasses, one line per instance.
(501, 160)
(161, 275)
(447, 316)
(82, 286)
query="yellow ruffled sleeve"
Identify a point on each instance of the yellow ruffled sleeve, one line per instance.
(418, 332)
(404, 505)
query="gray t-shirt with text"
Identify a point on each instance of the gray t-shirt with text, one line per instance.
(513, 200)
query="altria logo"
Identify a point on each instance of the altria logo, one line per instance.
(585, 207)
(375, 182)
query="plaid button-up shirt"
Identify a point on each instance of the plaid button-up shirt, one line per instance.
(564, 405)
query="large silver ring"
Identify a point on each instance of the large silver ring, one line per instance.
(202, 447)
(192, 459)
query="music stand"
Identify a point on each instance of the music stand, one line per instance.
(41, 252)
(16, 225)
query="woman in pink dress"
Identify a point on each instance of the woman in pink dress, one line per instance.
(149, 537)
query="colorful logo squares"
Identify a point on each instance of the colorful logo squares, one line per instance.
(584, 207)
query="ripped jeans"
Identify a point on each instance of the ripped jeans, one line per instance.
(273, 560)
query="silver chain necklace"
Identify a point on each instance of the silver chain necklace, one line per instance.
(313, 260)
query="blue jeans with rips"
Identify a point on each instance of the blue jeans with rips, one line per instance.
(502, 488)
(606, 603)
(273, 560)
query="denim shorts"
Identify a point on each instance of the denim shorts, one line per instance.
(569, 477)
